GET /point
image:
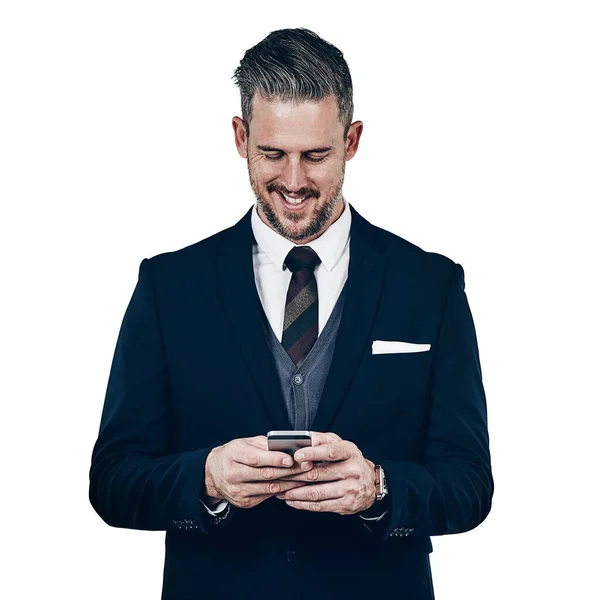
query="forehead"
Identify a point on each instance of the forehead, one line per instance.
(292, 126)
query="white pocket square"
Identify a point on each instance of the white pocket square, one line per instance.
(381, 347)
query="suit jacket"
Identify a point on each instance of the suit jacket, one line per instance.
(191, 371)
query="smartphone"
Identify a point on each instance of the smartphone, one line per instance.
(288, 441)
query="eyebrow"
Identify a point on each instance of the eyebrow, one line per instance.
(314, 150)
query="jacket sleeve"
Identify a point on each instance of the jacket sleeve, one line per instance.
(450, 490)
(137, 481)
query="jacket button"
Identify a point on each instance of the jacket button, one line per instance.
(291, 556)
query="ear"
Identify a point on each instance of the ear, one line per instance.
(353, 139)
(241, 140)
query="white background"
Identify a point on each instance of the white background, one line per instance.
(481, 142)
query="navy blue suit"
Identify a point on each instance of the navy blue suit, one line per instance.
(192, 371)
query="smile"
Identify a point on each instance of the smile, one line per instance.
(293, 203)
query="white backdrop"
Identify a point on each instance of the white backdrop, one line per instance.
(481, 142)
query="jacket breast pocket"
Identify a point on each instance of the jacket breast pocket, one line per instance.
(387, 399)
(399, 375)
(404, 362)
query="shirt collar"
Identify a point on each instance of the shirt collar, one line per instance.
(329, 245)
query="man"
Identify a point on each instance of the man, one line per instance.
(302, 316)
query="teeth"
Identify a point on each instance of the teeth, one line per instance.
(294, 200)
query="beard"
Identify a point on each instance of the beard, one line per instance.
(319, 219)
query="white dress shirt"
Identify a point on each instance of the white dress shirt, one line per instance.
(273, 279)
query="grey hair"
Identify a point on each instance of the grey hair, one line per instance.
(293, 65)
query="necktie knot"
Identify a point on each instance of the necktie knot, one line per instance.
(301, 257)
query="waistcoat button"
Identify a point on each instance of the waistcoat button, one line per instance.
(291, 556)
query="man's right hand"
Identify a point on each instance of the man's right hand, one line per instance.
(244, 472)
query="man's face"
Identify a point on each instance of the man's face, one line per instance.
(297, 151)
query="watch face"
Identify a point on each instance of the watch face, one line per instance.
(382, 482)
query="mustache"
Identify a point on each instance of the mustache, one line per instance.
(302, 192)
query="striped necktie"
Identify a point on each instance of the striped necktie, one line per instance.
(301, 320)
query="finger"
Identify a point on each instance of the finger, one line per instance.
(245, 473)
(334, 451)
(304, 474)
(319, 438)
(247, 453)
(315, 493)
(334, 471)
(270, 487)
(333, 506)
(258, 441)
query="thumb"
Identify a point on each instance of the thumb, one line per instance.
(258, 441)
(319, 438)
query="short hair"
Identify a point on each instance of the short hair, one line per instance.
(293, 65)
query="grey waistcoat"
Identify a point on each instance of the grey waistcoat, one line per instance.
(302, 387)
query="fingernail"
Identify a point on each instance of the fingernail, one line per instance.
(280, 496)
(305, 466)
(287, 462)
(300, 456)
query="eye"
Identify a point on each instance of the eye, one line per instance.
(308, 158)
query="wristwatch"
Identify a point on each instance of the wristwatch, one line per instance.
(380, 483)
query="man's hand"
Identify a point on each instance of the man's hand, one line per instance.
(245, 472)
(344, 484)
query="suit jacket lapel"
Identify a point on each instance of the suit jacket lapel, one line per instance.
(245, 312)
(366, 272)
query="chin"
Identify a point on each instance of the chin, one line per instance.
(302, 225)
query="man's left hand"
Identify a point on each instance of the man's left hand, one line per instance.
(344, 484)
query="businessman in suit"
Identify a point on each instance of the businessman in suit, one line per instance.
(304, 316)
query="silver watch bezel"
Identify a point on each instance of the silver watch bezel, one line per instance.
(382, 483)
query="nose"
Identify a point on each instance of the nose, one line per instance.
(293, 176)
